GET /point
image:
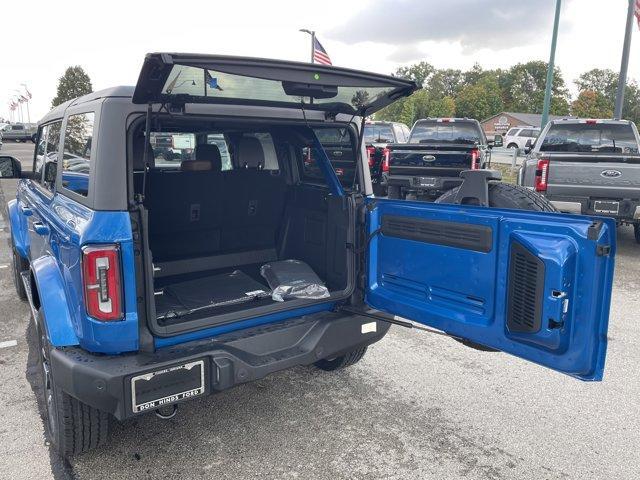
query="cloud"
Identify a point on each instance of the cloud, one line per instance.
(475, 24)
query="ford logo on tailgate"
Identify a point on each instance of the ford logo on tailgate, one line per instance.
(611, 173)
(428, 158)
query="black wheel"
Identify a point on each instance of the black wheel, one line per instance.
(343, 361)
(505, 195)
(512, 145)
(19, 265)
(393, 192)
(72, 426)
(34, 137)
(636, 232)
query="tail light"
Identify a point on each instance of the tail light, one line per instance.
(542, 175)
(371, 153)
(475, 154)
(386, 153)
(102, 282)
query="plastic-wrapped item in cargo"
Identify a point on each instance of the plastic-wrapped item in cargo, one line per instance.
(293, 279)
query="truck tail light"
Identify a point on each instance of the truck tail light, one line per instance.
(102, 282)
(307, 156)
(542, 175)
(371, 153)
(386, 153)
(475, 154)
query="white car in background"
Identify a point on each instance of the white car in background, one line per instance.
(517, 137)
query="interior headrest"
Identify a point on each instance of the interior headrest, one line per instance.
(209, 153)
(250, 153)
(137, 149)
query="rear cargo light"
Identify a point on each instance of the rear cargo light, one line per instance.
(386, 153)
(475, 154)
(542, 175)
(445, 120)
(371, 153)
(102, 282)
(591, 122)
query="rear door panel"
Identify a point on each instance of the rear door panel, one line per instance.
(530, 284)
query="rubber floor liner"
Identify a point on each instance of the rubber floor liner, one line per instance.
(184, 298)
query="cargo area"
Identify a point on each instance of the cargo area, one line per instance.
(224, 202)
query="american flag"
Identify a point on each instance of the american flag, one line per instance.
(637, 12)
(320, 54)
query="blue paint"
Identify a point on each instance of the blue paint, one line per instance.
(18, 228)
(464, 292)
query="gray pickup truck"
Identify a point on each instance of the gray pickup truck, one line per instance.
(18, 132)
(588, 167)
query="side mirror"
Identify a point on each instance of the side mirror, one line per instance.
(50, 171)
(497, 141)
(10, 167)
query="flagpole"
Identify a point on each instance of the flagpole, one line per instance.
(624, 64)
(552, 56)
(313, 40)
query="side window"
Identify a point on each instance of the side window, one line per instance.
(78, 137)
(512, 131)
(269, 149)
(52, 147)
(219, 140)
(406, 131)
(399, 134)
(40, 150)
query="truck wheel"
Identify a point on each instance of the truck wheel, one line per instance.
(34, 137)
(636, 232)
(393, 192)
(343, 361)
(72, 426)
(505, 195)
(19, 265)
(512, 145)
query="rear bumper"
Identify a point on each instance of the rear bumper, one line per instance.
(104, 382)
(628, 211)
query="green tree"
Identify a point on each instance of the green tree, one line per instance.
(74, 83)
(591, 104)
(443, 107)
(479, 101)
(524, 85)
(445, 83)
(604, 83)
(419, 72)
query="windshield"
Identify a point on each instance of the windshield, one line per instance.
(376, 133)
(452, 132)
(598, 137)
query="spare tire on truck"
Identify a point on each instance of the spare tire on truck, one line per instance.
(505, 195)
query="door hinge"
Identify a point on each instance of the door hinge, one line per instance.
(603, 250)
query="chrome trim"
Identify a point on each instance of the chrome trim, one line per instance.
(571, 207)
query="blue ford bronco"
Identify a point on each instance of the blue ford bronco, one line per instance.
(156, 279)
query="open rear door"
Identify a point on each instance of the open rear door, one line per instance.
(535, 285)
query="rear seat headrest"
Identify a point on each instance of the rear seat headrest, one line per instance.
(137, 149)
(207, 158)
(250, 153)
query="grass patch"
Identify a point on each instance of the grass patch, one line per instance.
(509, 175)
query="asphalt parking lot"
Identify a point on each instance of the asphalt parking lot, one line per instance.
(417, 406)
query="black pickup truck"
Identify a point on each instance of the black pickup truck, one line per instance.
(437, 151)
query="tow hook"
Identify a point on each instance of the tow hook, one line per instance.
(167, 412)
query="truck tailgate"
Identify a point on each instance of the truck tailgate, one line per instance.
(606, 177)
(438, 160)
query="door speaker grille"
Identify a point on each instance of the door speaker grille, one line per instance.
(526, 288)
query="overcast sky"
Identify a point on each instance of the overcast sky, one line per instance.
(109, 39)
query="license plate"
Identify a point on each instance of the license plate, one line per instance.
(155, 389)
(600, 206)
(425, 181)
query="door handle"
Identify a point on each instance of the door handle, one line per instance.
(40, 228)
(26, 211)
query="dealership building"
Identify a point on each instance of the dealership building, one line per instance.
(503, 121)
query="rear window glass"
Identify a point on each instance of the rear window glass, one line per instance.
(339, 147)
(375, 133)
(451, 132)
(582, 137)
(78, 137)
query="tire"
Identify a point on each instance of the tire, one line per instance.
(72, 427)
(19, 265)
(512, 145)
(34, 137)
(505, 195)
(343, 361)
(393, 192)
(636, 232)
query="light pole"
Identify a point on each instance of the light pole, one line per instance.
(313, 39)
(552, 57)
(622, 79)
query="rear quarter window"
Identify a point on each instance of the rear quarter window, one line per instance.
(338, 144)
(76, 156)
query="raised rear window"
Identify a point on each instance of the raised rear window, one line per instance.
(377, 133)
(590, 137)
(445, 132)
